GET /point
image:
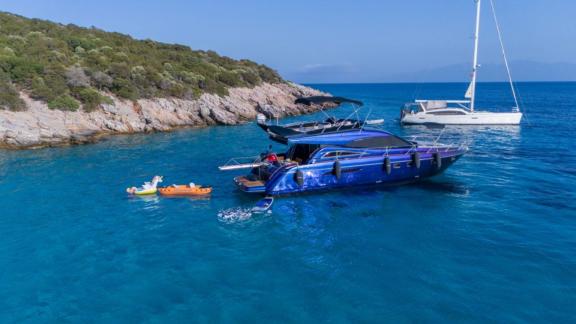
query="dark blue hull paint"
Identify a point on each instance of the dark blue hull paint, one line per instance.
(368, 171)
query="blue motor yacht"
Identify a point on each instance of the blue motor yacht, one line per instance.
(350, 158)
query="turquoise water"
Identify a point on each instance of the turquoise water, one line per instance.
(492, 239)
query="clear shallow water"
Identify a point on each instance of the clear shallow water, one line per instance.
(494, 238)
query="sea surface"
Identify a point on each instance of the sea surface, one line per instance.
(492, 239)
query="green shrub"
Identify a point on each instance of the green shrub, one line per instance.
(40, 90)
(64, 102)
(192, 93)
(251, 78)
(20, 69)
(52, 61)
(230, 79)
(119, 70)
(10, 98)
(6, 51)
(91, 99)
(124, 89)
(102, 80)
(56, 82)
(269, 75)
(212, 86)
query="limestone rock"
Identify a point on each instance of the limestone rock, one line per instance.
(40, 126)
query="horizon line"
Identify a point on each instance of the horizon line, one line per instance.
(430, 82)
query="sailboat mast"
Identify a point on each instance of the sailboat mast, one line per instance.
(475, 60)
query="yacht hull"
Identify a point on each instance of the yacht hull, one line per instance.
(470, 118)
(355, 173)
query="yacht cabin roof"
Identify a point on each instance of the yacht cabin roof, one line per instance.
(357, 138)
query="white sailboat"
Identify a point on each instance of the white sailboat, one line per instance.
(463, 112)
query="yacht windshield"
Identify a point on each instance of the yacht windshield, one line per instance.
(301, 152)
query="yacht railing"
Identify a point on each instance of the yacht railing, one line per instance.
(431, 142)
(464, 104)
(434, 145)
(446, 101)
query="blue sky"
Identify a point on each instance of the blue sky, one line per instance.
(340, 41)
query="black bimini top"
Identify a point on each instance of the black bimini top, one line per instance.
(391, 141)
(354, 138)
(318, 100)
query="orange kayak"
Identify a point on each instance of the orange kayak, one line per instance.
(184, 190)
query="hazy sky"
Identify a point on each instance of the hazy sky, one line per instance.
(333, 41)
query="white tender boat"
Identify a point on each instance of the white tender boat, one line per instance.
(263, 205)
(463, 112)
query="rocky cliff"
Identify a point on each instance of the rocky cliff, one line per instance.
(40, 126)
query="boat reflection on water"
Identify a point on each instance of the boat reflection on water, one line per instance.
(189, 198)
(505, 136)
(150, 202)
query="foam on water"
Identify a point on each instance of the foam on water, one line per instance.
(236, 214)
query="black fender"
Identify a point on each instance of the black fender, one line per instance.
(416, 159)
(387, 165)
(299, 177)
(438, 160)
(337, 169)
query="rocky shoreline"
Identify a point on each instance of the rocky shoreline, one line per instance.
(40, 126)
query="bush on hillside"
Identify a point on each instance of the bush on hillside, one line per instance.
(91, 99)
(51, 61)
(64, 102)
(101, 80)
(76, 77)
(9, 97)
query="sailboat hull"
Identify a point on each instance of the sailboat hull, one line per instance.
(462, 118)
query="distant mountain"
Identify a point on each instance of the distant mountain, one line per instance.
(350, 73)
(521, 71)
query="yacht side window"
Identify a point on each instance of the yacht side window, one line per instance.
(337, 154)
(446, 112)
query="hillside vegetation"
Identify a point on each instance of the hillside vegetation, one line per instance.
(71, 67)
